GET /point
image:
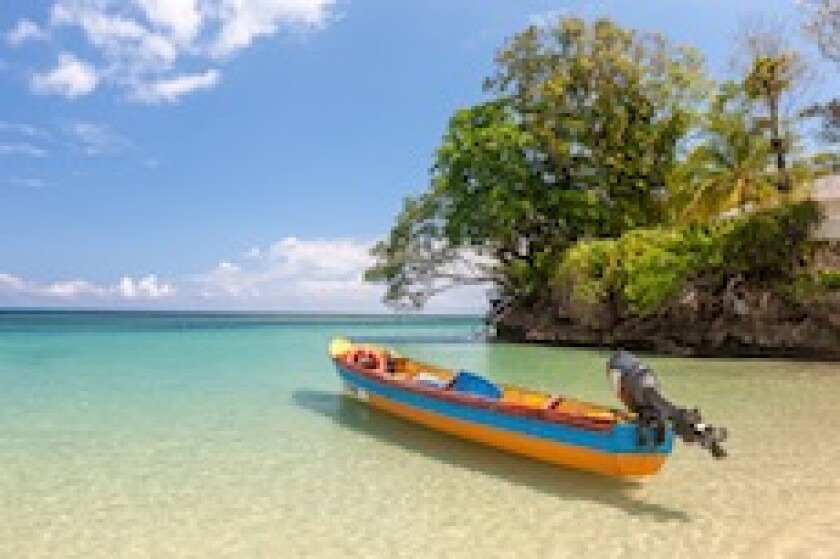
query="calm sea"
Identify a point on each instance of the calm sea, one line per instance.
(195, 435)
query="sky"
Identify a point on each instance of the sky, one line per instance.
(245, 154)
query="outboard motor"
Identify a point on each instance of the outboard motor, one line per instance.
(637, 386)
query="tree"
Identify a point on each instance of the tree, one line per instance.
(485, 199)
(829, 112)
(823, 23)
(728, 167)
(775, 72)
(608, 107)
(416, 261)
(585, 126)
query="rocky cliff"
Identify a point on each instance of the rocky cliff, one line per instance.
(725, 317)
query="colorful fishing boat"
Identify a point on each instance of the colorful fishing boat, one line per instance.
(548, 427)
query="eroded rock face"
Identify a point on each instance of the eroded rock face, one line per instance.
(721, 318)
(827, 256)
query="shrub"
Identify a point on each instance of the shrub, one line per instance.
(644, 268)
(771, 245)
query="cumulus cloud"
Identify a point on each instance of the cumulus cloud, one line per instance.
(320, 274)
(292, 270)
(242, 21)
(159, 50)
(24, 32)
(182, 18)
(70, 78)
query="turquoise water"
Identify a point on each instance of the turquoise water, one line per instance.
(226, 436)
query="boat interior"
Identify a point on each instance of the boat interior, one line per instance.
(393, 368)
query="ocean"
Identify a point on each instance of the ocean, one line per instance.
(226, 435)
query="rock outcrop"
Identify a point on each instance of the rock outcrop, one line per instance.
(721, 318)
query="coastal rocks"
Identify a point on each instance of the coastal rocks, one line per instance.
(827, 256)
(732, 318)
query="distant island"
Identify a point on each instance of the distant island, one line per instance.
(612, 193)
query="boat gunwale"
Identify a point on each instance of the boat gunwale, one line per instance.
(603, 425)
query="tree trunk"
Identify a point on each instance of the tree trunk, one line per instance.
(778, 145)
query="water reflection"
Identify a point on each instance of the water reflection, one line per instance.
(566, 484)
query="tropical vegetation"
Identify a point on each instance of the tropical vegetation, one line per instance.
(607, 163)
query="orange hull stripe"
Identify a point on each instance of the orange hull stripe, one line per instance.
(548, 451)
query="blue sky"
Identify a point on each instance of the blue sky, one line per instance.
(243, 154)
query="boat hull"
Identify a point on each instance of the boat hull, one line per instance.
(611, 452)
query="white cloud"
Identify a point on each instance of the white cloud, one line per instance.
(84, 291)
(11, 284)
(292, 274)
(22, 149)
(70, 78)
(242, 21)
(127, 45)
(293, 269)
(148, 287)
(69, 289)
(172, 89)
(26, 31)
(182, 17)
(141, 46)
(315, 274)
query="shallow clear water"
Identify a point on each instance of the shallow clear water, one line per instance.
(208, 436)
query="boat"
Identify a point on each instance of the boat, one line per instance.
(552, 428)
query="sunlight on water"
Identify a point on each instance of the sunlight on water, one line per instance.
(202, 437)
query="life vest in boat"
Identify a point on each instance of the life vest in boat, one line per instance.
(367, 359)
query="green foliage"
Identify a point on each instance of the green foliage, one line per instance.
(603, 133)
(771, 245)
(727, 169)
(655, 264)
(829, 279)
(815, 283)
(492, 185)
(644, 268)
(584, 130)
(589, 267)
(608, 107)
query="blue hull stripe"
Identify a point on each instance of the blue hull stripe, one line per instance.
(621, 439)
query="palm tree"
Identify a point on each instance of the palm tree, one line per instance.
(729, 168)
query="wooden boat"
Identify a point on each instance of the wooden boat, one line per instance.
(551, 428)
